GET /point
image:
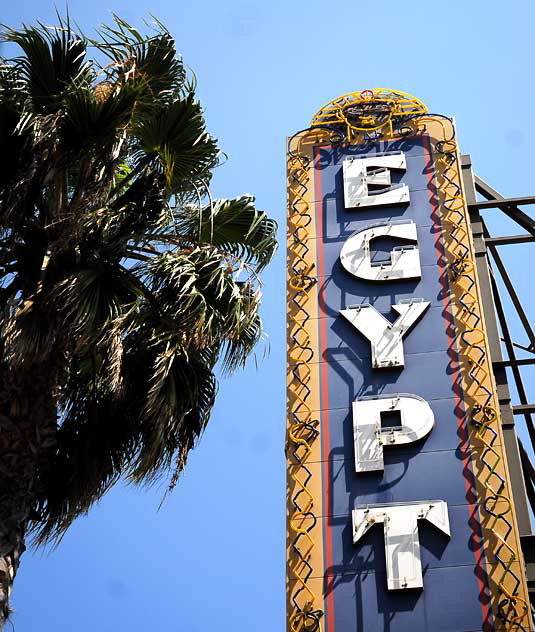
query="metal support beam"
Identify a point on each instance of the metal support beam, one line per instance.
(511, 291)
(518, 346)
(502, 202)
(513, 360)
(529, 475)
(493, 333)
(509, 208)
(522, 409)
(528, 548)
(516, 362)
(509, 239)
(528, 541)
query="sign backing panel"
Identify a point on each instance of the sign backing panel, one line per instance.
(474, 579)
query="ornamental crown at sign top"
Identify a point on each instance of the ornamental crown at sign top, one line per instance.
(380, 111)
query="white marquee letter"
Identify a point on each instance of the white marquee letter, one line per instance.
(373, 171)
(386, 338)
(402, 546)
(404, 263)
(416, 418)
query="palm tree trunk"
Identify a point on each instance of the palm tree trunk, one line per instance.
(28, 422)
(9, 564)
(18, 467)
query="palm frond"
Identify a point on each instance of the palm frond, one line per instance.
(247, 331)
(139, 207)
(176, 134)
(30, 333)
(53, 59)
(91, 121)
(94, 442)
(181, 394)
(16, 147)
(91, 299)
(236, 226)
(150, 62)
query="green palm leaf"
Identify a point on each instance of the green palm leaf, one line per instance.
(89, 120)
(177, 135)
(53, 59)
(235, 226)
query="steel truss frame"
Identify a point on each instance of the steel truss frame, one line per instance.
(490, 267)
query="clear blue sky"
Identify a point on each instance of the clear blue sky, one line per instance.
(213, 557)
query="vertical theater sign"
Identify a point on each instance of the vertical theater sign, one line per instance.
(400, 514)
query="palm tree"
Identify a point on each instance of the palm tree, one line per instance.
(123, 282)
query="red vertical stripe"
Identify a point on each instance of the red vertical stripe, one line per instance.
(324, 414)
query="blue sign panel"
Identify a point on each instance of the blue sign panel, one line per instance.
(437, 467)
